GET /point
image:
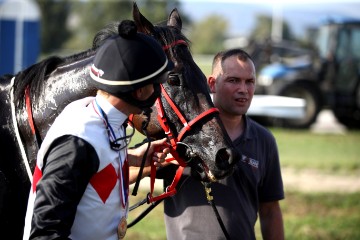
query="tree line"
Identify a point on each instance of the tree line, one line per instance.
(69, 26)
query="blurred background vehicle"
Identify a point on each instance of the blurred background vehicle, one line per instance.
(327, 77)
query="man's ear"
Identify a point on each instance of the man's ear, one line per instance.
(211, 82)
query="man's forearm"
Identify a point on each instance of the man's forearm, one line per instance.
(272, 226)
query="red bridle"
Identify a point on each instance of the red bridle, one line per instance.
(177, 42)
(29, 109)
(171, 190)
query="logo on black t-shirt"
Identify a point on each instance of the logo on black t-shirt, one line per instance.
(252, 162)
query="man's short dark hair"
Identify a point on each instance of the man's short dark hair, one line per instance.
(223, 55)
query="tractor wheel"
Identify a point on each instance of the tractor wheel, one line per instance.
(350, 117)
(312, 99)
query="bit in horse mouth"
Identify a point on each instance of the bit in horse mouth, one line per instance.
(208, 173)
(202, 171)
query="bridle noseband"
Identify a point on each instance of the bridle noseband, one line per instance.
(187, 125)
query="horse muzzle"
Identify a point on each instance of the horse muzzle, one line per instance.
(225, 158)
(224, 162)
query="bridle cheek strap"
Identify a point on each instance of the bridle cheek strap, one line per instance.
(171, 190)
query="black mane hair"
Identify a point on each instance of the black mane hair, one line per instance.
(35, 75)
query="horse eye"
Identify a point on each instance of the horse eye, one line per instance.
(174, 79)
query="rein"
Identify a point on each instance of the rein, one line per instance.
(29, 110)
(210, 199)
(34, 131)
(17, 133)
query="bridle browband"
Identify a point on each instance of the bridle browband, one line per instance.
(173, 44)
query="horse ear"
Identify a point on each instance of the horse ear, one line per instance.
(143, 25)
(174, 19)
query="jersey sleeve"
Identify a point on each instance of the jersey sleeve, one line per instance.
(68, 166)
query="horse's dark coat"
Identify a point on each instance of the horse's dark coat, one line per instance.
(14, 182)
(55, 82)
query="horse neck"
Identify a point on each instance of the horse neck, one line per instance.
(64, 85)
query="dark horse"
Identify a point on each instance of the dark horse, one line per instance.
(32, 99)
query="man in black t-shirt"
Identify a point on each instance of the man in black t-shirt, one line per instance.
(254, 188)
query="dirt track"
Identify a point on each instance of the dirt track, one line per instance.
(313, 181)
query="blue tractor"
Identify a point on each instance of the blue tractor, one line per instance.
(329, 80)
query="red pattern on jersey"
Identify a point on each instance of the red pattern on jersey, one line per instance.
(104, 182)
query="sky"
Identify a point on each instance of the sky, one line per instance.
(241, 14)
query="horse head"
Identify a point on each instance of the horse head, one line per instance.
(185, 109)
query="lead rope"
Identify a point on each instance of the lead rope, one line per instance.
(210, 199)
(143, 128)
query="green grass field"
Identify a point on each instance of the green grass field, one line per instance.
(307, 216)
(338, 154)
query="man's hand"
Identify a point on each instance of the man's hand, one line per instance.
(157, 153)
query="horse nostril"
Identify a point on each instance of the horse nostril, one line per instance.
(224, 158)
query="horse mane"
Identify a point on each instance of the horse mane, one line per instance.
(107, 32)
(33, 76)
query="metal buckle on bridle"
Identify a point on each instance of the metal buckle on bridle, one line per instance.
(189, 155)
